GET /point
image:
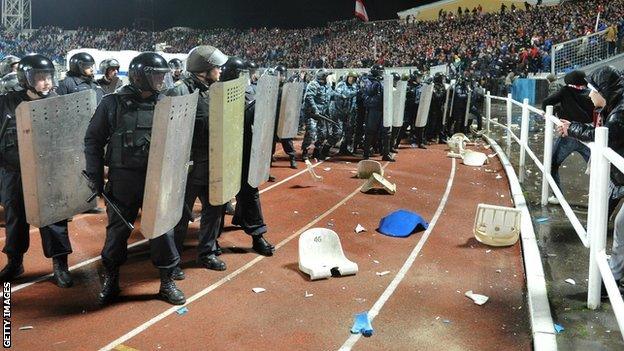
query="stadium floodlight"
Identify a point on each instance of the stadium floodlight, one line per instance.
(16, 15)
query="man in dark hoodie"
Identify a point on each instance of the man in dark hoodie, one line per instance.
(572, 103)
(607, 93)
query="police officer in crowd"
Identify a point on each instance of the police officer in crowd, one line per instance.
(122, 126)
(80, 76)
(109, 82)
(36, 77)
(204, 68)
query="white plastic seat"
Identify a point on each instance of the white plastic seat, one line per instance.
(474, 158)
(457, 144)
(497, 225)
(366, 168)
(378, 182)
(320, 253)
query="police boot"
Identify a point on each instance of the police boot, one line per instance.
(344, 150)
(168, 289)
(177, 273)
(325, 152)
(13, 269)
(293, 162)
(304, 154)
(110, 287)
(262, 246)
(316, 153)
(385, 150)
(61, 272)
(212, 262)
(395, 140)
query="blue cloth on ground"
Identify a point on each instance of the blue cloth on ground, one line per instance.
(401, 223)
(362, 324)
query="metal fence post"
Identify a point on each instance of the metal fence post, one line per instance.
(548, 144)
(597, 209)
(509, 120)
(552, 60)
(488, 112)
(524, 139)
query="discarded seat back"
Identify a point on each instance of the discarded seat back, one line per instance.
(320, 253)
(366, 168)
(377, 181)
(474, 158)
(497, 225)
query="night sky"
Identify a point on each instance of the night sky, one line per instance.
(114, 14)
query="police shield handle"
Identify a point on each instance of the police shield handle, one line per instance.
(168, 164)
(225, 153)
(110, 203)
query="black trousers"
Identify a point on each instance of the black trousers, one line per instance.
(211, 222)
(54, 238)
(287, 145)
(126, 189)
(375, 128)
(248, 212)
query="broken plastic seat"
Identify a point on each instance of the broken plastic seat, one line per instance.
(497, 225)
(474, 158)
(366, 168)
(402, 223)
(320, 254)
(457, 143)
(377, 181)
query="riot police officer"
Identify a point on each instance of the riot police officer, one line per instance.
(343, 110)
(109, 81)
(8, 74)
(373, 101)
(316, 102)
(287, 143)
(248, 212)
(36, 77)
(436, 109)
(177, 67)
(204, 68)
(122, 124)
(80, 76)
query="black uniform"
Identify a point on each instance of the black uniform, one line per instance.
(248, 212)
(73, 84)
(55, 238)
(436, 111)
(197, 182)
(109, 87)
(122, 123)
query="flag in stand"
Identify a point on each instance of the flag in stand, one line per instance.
(360, 10)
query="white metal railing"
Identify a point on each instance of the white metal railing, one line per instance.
(580, 52)
(602, 157)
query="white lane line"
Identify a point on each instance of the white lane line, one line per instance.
(136, 331)
(374, 311)
(95, 259)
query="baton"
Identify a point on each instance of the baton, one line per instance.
(107, 199)
(325, 118)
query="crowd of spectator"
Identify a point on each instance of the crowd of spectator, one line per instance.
(489, 44)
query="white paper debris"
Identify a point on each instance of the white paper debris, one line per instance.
(488, 251)
(359, 228)
(570, 281)
(492, 155)
(498, 176)
(307, 295)
(258, 290)
(26, 327)
(477, 298)
(414, 188)
(381, 274)
(375, 261)
(326, 169)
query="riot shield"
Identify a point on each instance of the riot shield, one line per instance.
(388, 94)
(167, 166)
(225, 151)
(468, 108)
(398, 111)
(263, 129)
(446, 104)
(290, 110)
(50, 136)
(423, 105)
